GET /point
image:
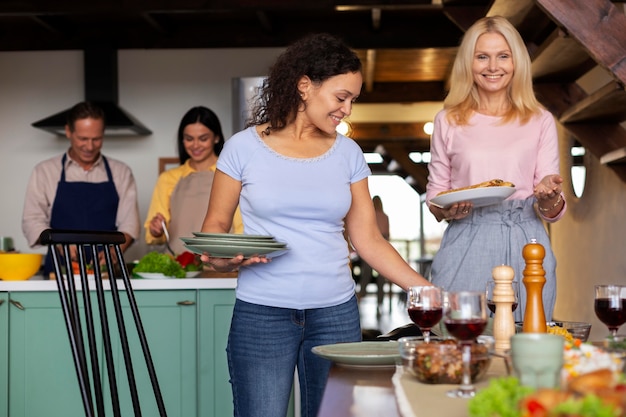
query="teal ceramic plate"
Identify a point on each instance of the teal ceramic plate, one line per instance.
(480, 197)
(361, 354)
(265, 243)
(230, 251)
(232, 236)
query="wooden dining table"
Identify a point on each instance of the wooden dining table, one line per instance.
(370, 392)
(352, 392)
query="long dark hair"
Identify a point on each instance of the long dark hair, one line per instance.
(319, 57)
(208, 118)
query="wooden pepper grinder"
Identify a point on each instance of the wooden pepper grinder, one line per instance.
(534, 280)
(503, 297)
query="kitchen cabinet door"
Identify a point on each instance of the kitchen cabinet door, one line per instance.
(4, 354)
(215, 309)
(169, 321)
(42, 378)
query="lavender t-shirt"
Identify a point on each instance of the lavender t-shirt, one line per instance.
(300, 201)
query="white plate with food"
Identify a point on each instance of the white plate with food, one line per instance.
(364, 354)
(479, 197)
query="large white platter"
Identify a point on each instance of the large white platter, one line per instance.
(479, 197)
(365, 354)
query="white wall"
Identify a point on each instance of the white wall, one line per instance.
(155, 86)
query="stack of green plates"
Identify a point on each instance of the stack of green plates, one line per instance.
(227, 245)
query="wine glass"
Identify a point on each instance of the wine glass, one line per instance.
(610, 306)
(465, 318)
(425, 306)
(489, 296)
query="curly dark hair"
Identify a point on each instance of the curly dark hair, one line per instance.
(317, 56)
(208, 118)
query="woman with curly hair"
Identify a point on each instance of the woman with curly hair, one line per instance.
(295, 178)
(492, 126)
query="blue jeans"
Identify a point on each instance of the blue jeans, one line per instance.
(265, 344)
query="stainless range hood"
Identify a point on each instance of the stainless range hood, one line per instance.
(101, 89)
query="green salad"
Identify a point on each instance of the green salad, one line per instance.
(503, 398)
(500, 398)
(160, 263)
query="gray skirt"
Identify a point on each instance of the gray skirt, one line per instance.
(492, 236)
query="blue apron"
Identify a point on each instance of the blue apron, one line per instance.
(83, 206)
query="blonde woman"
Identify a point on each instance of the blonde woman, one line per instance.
(492, 126)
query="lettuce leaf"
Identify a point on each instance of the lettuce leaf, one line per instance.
(159, 262)
(499, 399)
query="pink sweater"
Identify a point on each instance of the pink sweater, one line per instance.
(484, 150)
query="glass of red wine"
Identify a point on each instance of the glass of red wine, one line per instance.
(610, 306)
(491, 305)
(425, 307)
(465, 318)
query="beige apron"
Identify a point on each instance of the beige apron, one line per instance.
(188, 206)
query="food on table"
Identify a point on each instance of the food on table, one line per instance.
(582, 358)
(89, 268)
(189, 261)
(597, 394)
(440, 362)
(491, 183)
(560, 331)
(500, 399)
(160, 263)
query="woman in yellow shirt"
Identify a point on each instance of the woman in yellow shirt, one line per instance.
(181, 195)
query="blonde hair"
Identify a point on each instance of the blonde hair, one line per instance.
(463, 98)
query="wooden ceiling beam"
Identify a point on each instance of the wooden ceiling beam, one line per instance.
(598, 25)
(404, 92)
(390, 132)
(370, 69)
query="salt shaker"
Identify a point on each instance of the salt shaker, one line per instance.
(534, 280)
(503, 297)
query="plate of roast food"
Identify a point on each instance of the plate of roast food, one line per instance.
(483, 194)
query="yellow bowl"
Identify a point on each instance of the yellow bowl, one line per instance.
(19, 266)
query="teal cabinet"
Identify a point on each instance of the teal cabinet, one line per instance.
(4, 355)
(42, 379)
(41, 375)
(215, 308)
(187, 332)
(170, 322)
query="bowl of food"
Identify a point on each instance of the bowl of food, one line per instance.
(568, 329)
(440, 360)
(16, 266)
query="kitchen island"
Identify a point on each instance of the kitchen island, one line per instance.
(186, 323)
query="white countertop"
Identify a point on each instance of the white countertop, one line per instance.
(37, 283)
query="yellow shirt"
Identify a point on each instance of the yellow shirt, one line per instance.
(160, 203)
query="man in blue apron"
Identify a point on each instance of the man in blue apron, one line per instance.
(81, 189)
